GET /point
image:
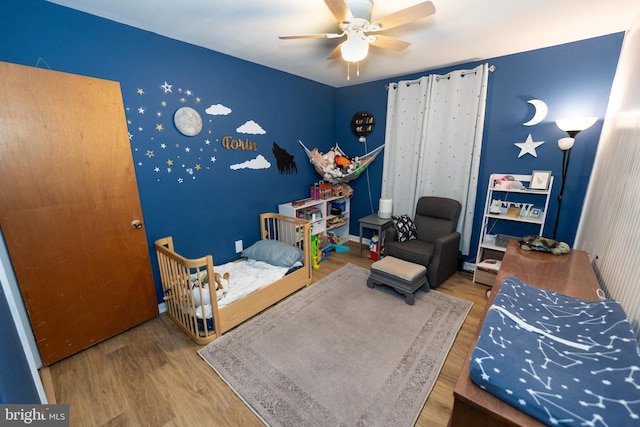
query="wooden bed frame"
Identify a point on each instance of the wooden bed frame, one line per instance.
(176, 274)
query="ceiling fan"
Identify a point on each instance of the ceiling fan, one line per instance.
(354, 21)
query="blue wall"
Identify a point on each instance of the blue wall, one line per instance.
(572, 79)
(196, 189)
(16, 383)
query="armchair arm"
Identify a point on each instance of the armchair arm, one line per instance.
(391, 234)
(445, 259)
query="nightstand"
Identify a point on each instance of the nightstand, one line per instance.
(373, 222)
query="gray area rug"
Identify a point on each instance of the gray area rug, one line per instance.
(340, 354)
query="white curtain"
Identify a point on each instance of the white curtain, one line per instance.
(433, 142)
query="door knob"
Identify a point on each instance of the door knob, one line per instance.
(136, 224)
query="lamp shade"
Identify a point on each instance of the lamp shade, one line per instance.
(354, 49)
(565, 143)
(576, 124)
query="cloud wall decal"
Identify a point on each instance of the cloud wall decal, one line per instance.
(218, 110)
(252, 128)
(260, 162)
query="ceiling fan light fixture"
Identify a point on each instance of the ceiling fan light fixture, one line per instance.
(354, 49)
(354, 20)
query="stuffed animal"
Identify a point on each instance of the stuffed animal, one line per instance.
(222, 287)
(342, 162)
(201, 296)
(343, 190)
(222, 284)
(319, 158)
(329, 159)
(507, 182)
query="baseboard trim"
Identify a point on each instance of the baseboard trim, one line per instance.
(47, 385)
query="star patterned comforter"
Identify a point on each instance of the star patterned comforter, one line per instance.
(562, 360)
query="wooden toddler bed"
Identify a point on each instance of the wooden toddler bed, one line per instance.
(184, 281)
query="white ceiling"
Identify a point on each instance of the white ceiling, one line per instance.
(460, 31)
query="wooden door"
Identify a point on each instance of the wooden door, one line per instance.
(67, 202)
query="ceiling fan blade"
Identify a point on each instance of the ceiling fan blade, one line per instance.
(404, 16)
(312, 36)
(340, 10)
(335, 52)
(387, 42)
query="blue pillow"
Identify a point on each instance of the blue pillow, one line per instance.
(274, 252)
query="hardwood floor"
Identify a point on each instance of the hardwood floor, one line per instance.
(152, 375)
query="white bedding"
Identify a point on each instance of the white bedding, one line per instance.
(245, 277)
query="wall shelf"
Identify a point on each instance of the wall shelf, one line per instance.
(485, 272)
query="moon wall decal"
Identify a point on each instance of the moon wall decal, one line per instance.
(540, 114)
(187, 121)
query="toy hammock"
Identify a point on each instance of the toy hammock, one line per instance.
(336, 167)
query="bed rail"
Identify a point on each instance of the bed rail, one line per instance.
(182, 282)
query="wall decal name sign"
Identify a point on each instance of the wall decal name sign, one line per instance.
(237, 144)
(498, 205)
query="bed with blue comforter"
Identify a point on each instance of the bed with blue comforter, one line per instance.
(562, 360)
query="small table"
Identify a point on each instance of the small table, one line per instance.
(373, 222)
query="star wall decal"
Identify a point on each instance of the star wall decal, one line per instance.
(166, 87)
(528, 146)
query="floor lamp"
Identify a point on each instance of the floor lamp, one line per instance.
(573, 127)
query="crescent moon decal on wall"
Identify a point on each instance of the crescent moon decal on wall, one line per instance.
(541, 112)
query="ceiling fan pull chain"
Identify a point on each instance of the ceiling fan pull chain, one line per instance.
(348, 70)
(358, 69)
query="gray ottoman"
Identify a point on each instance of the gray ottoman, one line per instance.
(405, 277)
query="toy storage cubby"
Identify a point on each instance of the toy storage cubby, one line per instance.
(329, 220)
(512, 220)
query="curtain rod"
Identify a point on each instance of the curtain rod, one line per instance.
(492, 68)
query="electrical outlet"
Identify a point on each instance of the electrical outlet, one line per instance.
(238, 246)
